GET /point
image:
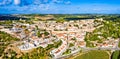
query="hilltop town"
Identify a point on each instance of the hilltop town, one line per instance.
(59, 38)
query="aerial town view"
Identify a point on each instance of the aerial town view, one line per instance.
(59, 29)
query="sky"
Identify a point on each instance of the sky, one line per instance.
(59, 6)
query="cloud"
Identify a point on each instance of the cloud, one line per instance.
(68, 2)
(5, 2)
(36, 2)
(17, 2)
(33, 6)
(57, 1)
(32, 2)
(45, 1)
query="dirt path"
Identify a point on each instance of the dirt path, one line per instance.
(109, 54)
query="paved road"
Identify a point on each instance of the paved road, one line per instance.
(101, 48)
(87, 49)
(65, 56)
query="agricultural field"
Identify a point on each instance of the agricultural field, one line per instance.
(96, 54)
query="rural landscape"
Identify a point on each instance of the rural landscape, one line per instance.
(36, 36)
(59, 29)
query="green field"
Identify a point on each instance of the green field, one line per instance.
(116, 55)
(94, 55)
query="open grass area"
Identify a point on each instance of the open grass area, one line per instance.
(119, 45)
(96, 54)
(116, 55)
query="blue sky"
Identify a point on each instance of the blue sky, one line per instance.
(59, 6)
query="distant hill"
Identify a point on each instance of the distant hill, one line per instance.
(11, 17)
(46, 17)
